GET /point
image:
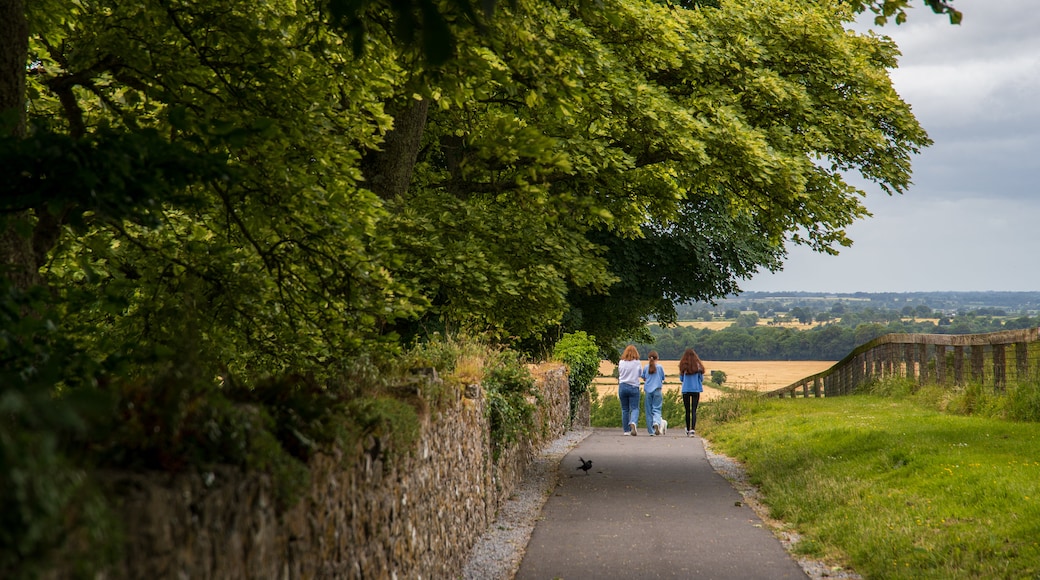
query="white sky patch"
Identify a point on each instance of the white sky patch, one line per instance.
(971, 219)
(922, 247)
(954, 94)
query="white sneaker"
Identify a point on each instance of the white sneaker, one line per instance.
(632, 429)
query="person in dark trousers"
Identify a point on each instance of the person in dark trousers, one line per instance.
(628, 389)
(691, 375)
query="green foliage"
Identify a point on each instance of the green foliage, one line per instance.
(1018, 401)
(892, 387)
(509, 388)
(605, 409)
(734, 406)
(672, 409)
(561, 148)
(884, 9)
(139, 172)
(45, 494)
(579, 351)
(1023, 402)
(393, 422)
(307, 415)
(718, 377)
(684, 187)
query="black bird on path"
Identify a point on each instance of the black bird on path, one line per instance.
(585, 465)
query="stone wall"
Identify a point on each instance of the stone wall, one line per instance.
(415, 517)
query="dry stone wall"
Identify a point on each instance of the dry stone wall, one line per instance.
(363, 516)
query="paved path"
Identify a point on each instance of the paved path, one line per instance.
(650, 507)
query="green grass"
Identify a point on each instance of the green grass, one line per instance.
(891, 486)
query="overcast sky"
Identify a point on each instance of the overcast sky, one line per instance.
(971, 219)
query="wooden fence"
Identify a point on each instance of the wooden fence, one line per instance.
(946, 359)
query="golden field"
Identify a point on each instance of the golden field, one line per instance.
(757, 375)
(720, 324)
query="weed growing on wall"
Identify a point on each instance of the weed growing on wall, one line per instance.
(509, 388)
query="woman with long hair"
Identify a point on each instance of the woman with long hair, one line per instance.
(691, 374)
(628, 389)
(653, 384)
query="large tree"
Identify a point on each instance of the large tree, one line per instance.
(687, 146)
(350, 194)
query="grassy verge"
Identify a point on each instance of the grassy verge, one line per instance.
(891, 486)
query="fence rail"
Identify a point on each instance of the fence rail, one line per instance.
(993, 358)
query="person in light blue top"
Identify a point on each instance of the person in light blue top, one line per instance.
(628, 389)
(653, 382)
(691, 375)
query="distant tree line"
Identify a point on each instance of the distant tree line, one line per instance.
(831, 340)
(891, 304)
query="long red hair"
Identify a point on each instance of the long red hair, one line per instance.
(630, 353)
(690, 363)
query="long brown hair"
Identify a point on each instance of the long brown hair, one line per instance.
(652, 357)
(630, 353)
(690, 363)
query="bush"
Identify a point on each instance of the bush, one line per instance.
(892, 387)
(1024, 402)
(718, 377)
(581, 355)
(604, 410)
(47, 407)
(508, 385)
(733, 406)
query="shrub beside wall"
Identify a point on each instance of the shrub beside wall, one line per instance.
(364, 516)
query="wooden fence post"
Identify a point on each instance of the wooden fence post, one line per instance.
(958, 365)
(978, 358)
(999, 368)
(922, 360)
(908, 356)
(1022, 361)
(940, 364)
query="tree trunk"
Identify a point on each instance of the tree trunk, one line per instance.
(389, 172)
(14, 54)
(16, 252)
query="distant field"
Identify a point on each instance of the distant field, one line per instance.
(720, 324)
(713, 325)
(757, 375)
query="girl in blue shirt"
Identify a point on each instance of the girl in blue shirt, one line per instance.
(691, 374)
(653, 381)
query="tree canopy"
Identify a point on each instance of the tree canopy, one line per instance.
(573, 167)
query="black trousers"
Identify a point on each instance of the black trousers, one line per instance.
(690, 401)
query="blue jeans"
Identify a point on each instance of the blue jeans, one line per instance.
(652, 408)
(629, 395)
